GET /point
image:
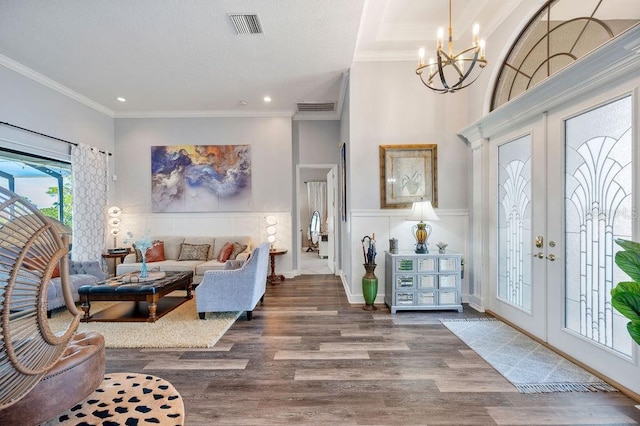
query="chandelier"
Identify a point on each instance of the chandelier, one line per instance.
(450, 71)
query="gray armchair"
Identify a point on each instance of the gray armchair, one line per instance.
(237, 289)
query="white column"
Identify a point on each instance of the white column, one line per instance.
(478, 270)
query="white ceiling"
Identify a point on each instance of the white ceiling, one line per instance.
(182, 57)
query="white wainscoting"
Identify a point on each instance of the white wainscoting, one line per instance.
(252, 224)
(452, 228)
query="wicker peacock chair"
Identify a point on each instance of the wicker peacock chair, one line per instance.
(31, 247)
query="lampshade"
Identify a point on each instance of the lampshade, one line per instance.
(422, 210)
(114, 211)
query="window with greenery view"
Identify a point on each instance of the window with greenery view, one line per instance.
(44, 182)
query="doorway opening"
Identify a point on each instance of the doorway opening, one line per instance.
(316, 217)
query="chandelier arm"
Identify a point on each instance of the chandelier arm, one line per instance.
(464, 76)
(441, 73)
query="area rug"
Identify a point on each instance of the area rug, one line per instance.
(528, 365)
(180, 328)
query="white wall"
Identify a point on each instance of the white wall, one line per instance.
(271, 170)
(402, 111)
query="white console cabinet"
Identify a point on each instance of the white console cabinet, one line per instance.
(429, 281)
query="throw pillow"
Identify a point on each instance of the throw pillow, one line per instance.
(225, 252)
(193, 251)
(37, 262)
(237, 249)
(156, 252)
(56, 271)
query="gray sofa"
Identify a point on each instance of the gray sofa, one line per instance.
(80, 273)
(172, 246)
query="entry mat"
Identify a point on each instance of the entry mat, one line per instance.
(528, 365)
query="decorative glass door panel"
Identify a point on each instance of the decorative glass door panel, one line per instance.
(514, 222)
(598, 209)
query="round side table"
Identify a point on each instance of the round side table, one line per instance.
(273, 278)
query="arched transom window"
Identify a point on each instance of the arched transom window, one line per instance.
(560, 33)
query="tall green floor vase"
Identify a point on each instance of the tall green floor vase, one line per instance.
(369, 287)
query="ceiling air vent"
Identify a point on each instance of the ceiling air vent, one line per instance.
(316, 106)
(246, 24)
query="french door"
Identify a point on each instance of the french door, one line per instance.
(519, 207)
(565, 189)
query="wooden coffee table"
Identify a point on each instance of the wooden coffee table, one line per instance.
(144, 301)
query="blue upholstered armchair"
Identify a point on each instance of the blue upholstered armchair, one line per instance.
(236, 289)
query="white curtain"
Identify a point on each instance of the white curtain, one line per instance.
(317, 197)
(90, 185)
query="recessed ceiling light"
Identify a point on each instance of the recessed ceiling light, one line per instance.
(121, 99)
(267, 99)
(244, 103)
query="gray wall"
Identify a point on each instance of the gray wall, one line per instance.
(402, 111)
(30, 104)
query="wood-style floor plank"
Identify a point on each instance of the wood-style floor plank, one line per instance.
(309, 357)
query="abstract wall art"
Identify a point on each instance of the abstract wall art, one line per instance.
(200, 178)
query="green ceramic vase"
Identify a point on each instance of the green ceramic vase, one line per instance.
(369, 287)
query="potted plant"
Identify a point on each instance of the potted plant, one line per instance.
(625, 297)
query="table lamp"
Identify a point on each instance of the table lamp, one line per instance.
(271, 230)
(114, 223)
(421, 211)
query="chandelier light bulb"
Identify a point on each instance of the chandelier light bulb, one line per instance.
(451, 71)
(421, 55)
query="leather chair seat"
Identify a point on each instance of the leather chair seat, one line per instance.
(76, 375)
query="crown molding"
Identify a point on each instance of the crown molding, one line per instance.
(53, 85)
(617, 60)
(203, 114)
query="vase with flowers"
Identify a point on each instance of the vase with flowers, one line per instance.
(369, 280)
(143, 244)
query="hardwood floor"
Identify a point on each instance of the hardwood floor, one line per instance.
(308, 357)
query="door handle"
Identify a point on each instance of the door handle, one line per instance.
(552, 257)
(539, 255)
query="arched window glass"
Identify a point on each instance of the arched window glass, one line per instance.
(560, 33)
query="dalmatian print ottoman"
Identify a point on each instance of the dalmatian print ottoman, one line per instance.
(127, 399)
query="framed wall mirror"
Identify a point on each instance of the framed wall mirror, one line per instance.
(314, 228)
